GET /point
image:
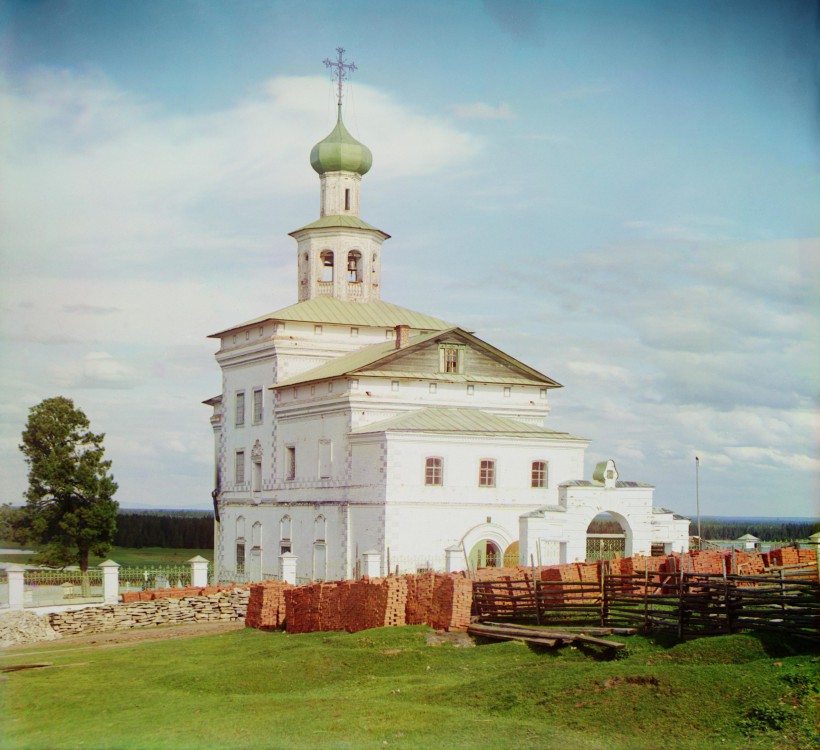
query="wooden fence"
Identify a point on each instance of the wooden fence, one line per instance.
(691, 604)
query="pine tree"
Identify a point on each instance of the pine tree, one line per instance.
(69, 508)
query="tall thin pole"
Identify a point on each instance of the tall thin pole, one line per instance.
(697, 498)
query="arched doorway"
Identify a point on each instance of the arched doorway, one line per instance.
(607, 537)
(485, 554)
(511, 555)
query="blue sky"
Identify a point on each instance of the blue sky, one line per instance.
(622, 194)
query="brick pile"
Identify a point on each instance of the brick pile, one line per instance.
(266, 604)
(790, 556)
(224, 605)
(443, 601)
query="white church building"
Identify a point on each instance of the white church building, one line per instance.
(349, 426)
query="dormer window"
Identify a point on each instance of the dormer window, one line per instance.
(354, 265)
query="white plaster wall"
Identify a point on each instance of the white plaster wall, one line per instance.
(461, 455)
(632, 505)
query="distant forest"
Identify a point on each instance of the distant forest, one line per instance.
(165, 529)
(195, 529)
(727, 529)
(766, 531)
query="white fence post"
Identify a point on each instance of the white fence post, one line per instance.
(199, 571)
(17, 586)
(111, 581)
(454, 557)
(287, 567)
(372, 564)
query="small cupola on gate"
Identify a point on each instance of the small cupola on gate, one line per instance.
(606, 473)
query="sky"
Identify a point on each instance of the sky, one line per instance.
(624, 195)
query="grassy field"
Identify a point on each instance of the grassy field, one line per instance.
(128, 556)
(389, 688)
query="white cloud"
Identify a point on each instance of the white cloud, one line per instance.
(131, 233)
(483, 111)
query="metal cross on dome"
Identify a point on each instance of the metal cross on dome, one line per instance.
(343, 69)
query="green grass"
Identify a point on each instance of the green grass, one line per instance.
(128, 556)
(388, 688)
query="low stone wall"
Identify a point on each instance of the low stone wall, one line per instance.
(231, 604)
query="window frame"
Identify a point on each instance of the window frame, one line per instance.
(539, 474)
(239, 409)
(239, 466)
(433, 471)
(257, 410)
(486, 472)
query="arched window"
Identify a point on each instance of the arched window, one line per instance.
(240, 544)
(433, 471)
(320, 529)
(285, 544)
(326, 257)
(354, 266)
(539, 475)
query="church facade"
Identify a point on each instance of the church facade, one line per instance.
(349, 426)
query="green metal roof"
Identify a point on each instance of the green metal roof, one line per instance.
(340, 221)
(449, 377)
(366, 362)
(327, 309)
(340, 152)
(444, 420)
(353, 362)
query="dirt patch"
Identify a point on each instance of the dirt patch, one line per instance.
(456, 638)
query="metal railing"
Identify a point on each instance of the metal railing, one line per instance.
(48, 587)
(156, 577)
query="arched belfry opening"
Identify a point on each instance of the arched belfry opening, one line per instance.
(354, 267)
(608, 536)
(326, 257)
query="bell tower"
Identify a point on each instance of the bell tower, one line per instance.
(339, 254)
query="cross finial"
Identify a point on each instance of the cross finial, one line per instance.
(342, 71)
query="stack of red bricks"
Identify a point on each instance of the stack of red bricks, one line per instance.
(452, 602)
(176, 593)
(790, 556)
(266, 605)
(517, 573)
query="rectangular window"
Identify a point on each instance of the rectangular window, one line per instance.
(257, 406)
(290, 458)
(317, 330)
(486, 473)
(433, 472)
(470, 390)
(239, 467)
(451, 358)
(325, 456)
(354, 331)
(394, 385)
(506, 392)
(433, 387)
(239, 420)
(543, 393)
(539, 476)
(240, 557)
(256, 476)
(347, 199)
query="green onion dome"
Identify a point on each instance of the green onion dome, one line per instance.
(340, 152)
